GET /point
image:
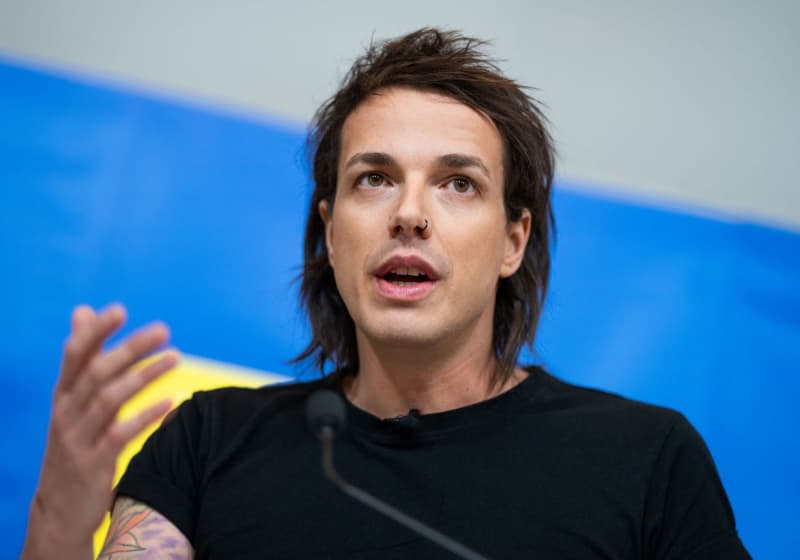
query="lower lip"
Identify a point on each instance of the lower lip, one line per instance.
(408, 292)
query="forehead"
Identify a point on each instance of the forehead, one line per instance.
(417, 125)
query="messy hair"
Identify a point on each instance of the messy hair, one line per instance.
(450, 64)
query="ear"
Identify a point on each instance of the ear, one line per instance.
(517, 234)
(325, 216)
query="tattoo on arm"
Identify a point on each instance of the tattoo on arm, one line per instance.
(139, 532)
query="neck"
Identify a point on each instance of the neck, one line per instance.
(393, 379)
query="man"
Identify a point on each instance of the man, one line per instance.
(426, 264)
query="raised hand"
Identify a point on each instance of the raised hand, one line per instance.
(85, 436)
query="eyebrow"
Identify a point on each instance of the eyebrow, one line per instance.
(370, 158)
(452, 161)
(460, 161)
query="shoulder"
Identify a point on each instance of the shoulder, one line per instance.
(652, 454)
(246, 398)
(550, 394)
(608, 424)
(222, 416)
(241, 402)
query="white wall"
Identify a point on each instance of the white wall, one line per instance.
(685, 102)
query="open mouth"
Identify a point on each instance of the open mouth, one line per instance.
(405, 276)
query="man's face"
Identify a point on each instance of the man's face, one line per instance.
(417, 235)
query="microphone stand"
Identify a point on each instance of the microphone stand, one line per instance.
(327, 436)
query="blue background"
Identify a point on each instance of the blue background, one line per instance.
(193, 215)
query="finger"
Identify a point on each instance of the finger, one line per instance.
(106, 403)
(121, 432)
(81, 316)
(85, 342)
(105, 367)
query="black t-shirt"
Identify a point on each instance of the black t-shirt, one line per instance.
(545, 470)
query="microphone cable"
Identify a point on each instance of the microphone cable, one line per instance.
(326, 418)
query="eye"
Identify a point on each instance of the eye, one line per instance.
(371, 180)
(461, 185)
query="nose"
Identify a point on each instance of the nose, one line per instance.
(410, 218)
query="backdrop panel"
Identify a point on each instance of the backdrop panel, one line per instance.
(193, 215)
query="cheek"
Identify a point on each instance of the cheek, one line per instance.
(348, 248)
(476, 254)
(478, 239)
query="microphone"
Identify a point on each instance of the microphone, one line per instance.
(326, 418)
(408, 422)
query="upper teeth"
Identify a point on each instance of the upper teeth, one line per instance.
(408, 272)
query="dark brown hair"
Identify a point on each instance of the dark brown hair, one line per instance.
(450, 64)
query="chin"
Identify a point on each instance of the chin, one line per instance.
(402, 334)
